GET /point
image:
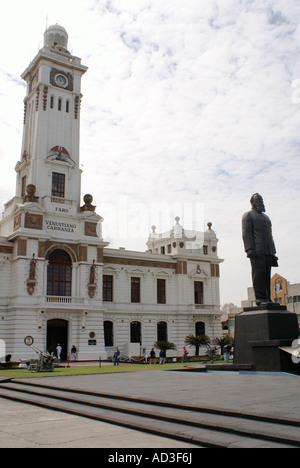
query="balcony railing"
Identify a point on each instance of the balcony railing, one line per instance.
(64, 300)
(63, 201)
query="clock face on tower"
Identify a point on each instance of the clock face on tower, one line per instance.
(61, 80)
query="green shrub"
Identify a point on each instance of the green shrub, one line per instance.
(9, 365)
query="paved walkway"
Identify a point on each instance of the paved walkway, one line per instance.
(264, 395)
(268, 395)
(27, 426)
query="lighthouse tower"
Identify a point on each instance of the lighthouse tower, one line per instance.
(51, 246)
(52, 119)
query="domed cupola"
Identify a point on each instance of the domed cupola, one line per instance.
(56, 37)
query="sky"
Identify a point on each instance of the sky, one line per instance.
(189, 107)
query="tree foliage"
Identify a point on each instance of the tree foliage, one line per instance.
(197, 341)
(165, 345)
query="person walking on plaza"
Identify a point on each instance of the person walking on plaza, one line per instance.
(117, 357)
(185, 355)
(162, 356)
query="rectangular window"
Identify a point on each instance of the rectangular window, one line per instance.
(107, 288)
(135, 290)
(232, 321)
(205, 250)
(161, 291)
(51, 102)
(215, 270)
(198, 290)
(68, 107)
(59, 280)
(58, 185)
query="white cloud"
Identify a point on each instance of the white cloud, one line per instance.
(186, 101)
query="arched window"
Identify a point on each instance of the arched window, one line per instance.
(136, 332)
(162, 331)
(59, 104)
(67, 106)
(108, 333)
(59, 274)
(199, 328)
(51, 102)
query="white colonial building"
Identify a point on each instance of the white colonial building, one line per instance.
(60, 282)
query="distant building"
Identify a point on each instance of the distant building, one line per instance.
(60, 281)
(282, 292)
(229, 311)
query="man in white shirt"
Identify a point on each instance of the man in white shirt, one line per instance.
(59, 351)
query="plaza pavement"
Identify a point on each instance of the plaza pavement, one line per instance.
(267, 395)
(271, 396)
(28, 426)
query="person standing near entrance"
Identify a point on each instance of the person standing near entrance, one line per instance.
(74, 353)
(58, 351)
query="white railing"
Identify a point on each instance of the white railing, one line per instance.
(63, 201)
(64, 300)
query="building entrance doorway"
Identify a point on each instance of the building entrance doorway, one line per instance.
(57, 333)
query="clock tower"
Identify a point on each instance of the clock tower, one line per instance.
(52, 120)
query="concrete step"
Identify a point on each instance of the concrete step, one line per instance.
(202, 428)
(289, 421)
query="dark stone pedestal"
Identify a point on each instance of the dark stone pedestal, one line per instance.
(260, 332)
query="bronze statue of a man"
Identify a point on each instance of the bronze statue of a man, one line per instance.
(260, 248)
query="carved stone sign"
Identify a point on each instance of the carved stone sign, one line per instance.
(60, 209)
(60, 226)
